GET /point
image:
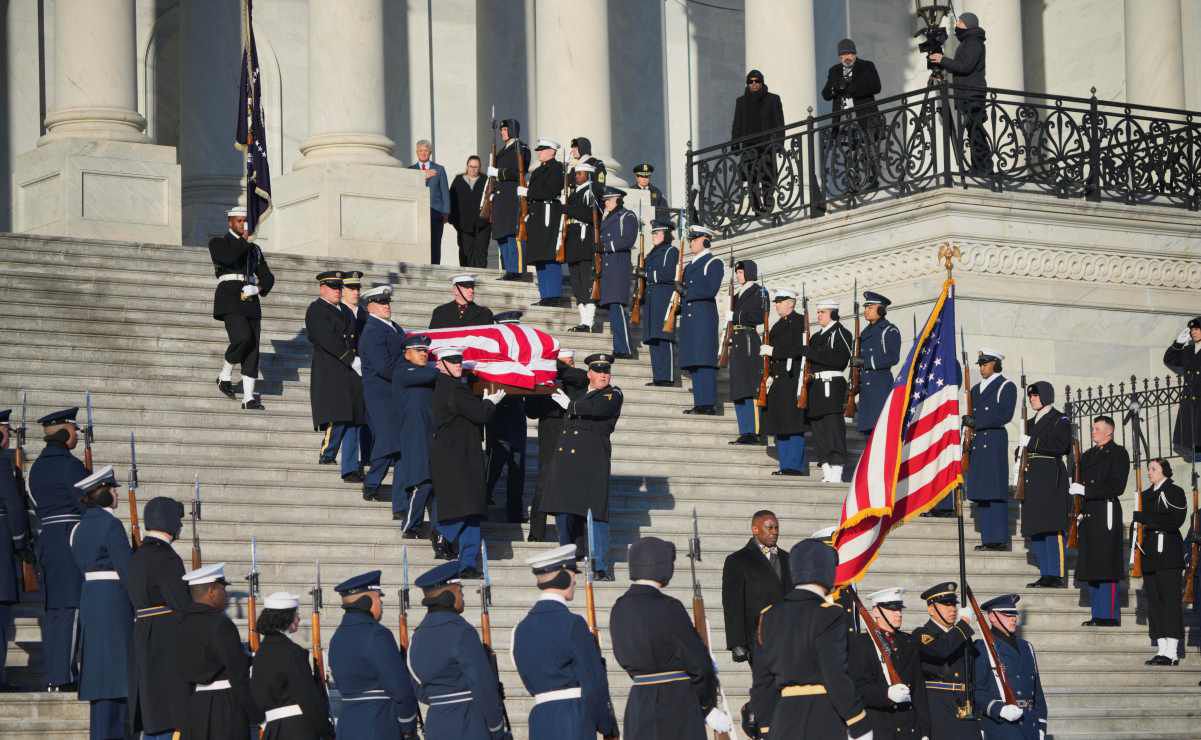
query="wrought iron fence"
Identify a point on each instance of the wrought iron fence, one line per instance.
(1153, 402)
(947, 136)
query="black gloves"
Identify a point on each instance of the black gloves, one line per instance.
(969, 421)
(680, 287)
(25, 555)
(740, 654)
(856, 362)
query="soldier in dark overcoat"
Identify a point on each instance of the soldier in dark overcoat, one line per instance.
(412, 400)
(642, 181)
(583, 218)
(574, 382)
(1026, 720)
(462, 310)
(1048, 439)
(654, 641)
(697, 327)
(660, 269)
(543, 219)
(513, 155)
(295, 706)
(505, 445)
(578, 477)
(1183, 357)
(336, 387)
(948, 656)
(243, 277)
(1104, 469)
(1161, 512)
(986, 480)
(895, 710)
(746, 367)
(581, 153)
(15, 541)
(380, 348)
(782, 418)
(618, 234)
(829, 352)
(879, 351)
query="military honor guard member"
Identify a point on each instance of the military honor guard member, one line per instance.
(158, 693)
(619, 232)
(703, 276)
(654, 641)
(15, 543)
(352, 293)
(1104, 469)
(1047, 440)
(378, 697)
(897, 710)
(336, 388)
(986, 480)
(753, 579)
(642, 181)
(543, 218)
(558, 659)
(462, 310)
(829, 352)
(1183, 357)
(782, 418)
(581, 154)
(506, 443)
(945, 645)
(450, 667)
(52, 479)
(243, 277)
(1159, 519)
(578, 478)
(880, 350)
(583, 208)
(457, 457)
(380, 349)
(1026, 720)
(660, 273)
(505, 204)
(101, 551)
(573, 381)
(801, 686)
(210, 657)
(750, 306)
(412, 401)
(294, 705)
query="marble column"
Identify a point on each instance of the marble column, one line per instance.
(1154, 53)
(780, 43)
(93, 173)
(1002, 24)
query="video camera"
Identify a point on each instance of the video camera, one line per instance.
(936, 36)
(932, 13)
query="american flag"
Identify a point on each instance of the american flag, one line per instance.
(511, 354)
(251, 134)
(912, 458)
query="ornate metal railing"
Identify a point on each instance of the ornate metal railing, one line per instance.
(1154, 401)
(947, 136)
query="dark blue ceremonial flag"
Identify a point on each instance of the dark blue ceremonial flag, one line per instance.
(251, 136)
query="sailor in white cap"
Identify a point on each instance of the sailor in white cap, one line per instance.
(703, 277)
(583, 226)
(462, 310)
(544, 215)
(282, 682)
(242, 278)
(896, 704)
(828, 354)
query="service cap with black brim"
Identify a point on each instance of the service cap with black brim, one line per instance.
(65, 416)
(946, 592)
(444, 574)
(379, 294)
(330, 278)
(4, 415)
(214, 573)
(416, 341)
(453, 355)
(546, 144)
(871, 298)
(362, 583)
(644, 170)
(600, 362)
(888, 598)
(612, 192)
(783, 294)
(463, 281)
(508, 317)
(697, 231)
(658, 225)
(1003, 604)
(352, 279)
(101, 478)
(551, 561)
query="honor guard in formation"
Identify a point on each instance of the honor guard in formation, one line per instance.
(879, 351)
(462, 310)
(619, 232)
(578, 479)
(14, 531)
(581, 153)
(294, 705)
(660, 272)
(801, 686)
(545, 213)
(829, 352)
(380, 349)
(703, 276)
(1183, 357)
(336, 387)
(242, 278)
(744, 319)
(512, 159)
(945, 645)
(753, 579)
(378, 698)
(1047, 440)
(413, 383)
(210, 657)
(675, 681)
(505, 439)
(52, 479)
(986, 480)
(352, 292)
(1104, 469)
(551, 416)
(894, 710)
(158, 693)
(642, 181)
(783, 419)
(583, 213)
(1158, 520)
(1027, 719)
(101, 551)
(450, 667)
(559, 660)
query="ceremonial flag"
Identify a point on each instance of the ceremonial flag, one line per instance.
(251, 135)
(912, 458)
(510, 354)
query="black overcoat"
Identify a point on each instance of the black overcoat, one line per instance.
(1185, 360)
(787, 341)
(545, 213)
(578, 478)
(1046, 506)
(282, 677)
(210, 650)
(504, 200)
(746, 366)
(829, 350)
(574, 382)
(1161, 516)
(451, 315)
(335, 390)
(456, 456)
(581, 236)
(749, 585)
(909, 721)
(465, 202)
(233, 255)
(861, 88)
(1103, 472)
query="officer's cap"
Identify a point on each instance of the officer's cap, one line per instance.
(644, 170)
(546, 144)
(332, 278)
(282, 600)
(584, 167)
(871, 297)
(550, 561)
(824, 534)
(450, 354)
(600, 362)
(416, 341)
(697, 230)
(986, 354)
(361, 583)
(888, 598)
(439, 575)
(652, 559)
(214, 573)
(352, 279)
(380, 294)
(102, 477)
(612, 192)
(66, 416)
(827, 305)
(946, 592)
(467, 281)
(236, 212)
(813, 561)
(163, 514)
(658, 225)
(567, 353)
(784, 294)
(507, 317)
(1005, 604)
(4, 415)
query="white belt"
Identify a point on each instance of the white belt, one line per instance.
(215, 685)
(101, 575)
(231, 277)
(292, 710)
(828, 375)
(561, 694)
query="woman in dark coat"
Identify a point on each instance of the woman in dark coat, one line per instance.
(282, 683)
(746, 366)
(474, 232)
(1161, 512)
(783, 418)
(1183, 357)
(1104, 469)
(1048, 439)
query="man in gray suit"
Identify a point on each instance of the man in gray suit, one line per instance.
(435, 180)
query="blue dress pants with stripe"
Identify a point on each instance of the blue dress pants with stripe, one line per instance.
(573, 530)
(1103, 597)
(662, 360)
(344, 439)
(465, 533)
(619, 324)
(748, 416)
(416, 499)
(1048, 553)
(790, 449)
(510, 255)
(992, 517)
(58, 646)
(704, 386)
(550, 279)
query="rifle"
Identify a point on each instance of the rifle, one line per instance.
(1077, 501)
(196, 559)
(727, 337)
(135, 532)
(404, 617)
(640, 275)
(966, 709)
(486, 631)
(1195, 551)
(318, 658)
(802, 397)
(673, 310)
(88, 433)
(597, 261)
(968, 432)
(490, 185)
(1020, 493)
(699, 621)
(761, 401)
(252, 613)
(873, 631)
(523, 202)
(29, 574)
(1133, 410)
(998, 667)
(561, 250)
(589, 594)
(848, 410)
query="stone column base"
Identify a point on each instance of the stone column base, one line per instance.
(351, 210)
(97, 189)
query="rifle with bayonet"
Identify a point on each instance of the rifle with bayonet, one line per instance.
(968, 431)
(135, 532)
(486, 631)
(404, 616)
(640, 274)
(1078, 501)
(1190, 575)
(565, 221)
(318, 602)
(197, 561)
(727, 337)
(802, 396)
(1133, 415)
(589, 593)
(252, 613)
(990, 645)
(673, 310)
(29, 574)
(761, 400)
(1019, 493)
(848, 410)
(88, 432)
(873, 631)
(598, 263)
(490, 184)
(699, 621)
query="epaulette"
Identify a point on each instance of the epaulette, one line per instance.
(829, 604)
(765, 609)
(927, 638)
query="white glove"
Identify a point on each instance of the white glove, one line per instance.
(719, 721)
(496, 396)
(1184, 337)
(357, 365)
(492, 171)
(898, 693)
(561, 398)
(249, 290)
(1011, 712)
(967, 615)
(1076, 489)
(729, 315)
(1024, 441)
(522, 191)
(765, 350)
(869, 736)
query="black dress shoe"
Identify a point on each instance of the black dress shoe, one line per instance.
(411, 534)
(323, 460)
(702, 410)
(604, 575)
(1101, 623)
(1053, 582)
(1042, 582)
(254, 404)
(661, 383)
(63, 688)
(1163, 660)
(581, 328)
(398, 516)
(470, 574)
(227, 387)
(993, 547)
(791, 471)
(369, 492)
(531, 537)
(744, 439)
(355, 476)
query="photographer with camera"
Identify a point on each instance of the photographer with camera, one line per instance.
(968, 67)
(852, 85)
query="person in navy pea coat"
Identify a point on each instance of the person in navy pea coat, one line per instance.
(619, 232)
(698, 319)
(986, 480)
(380, 348)
(1048, 439)
(1026, 720)
(412, 399)
(661, 263)
(880, 350)
(14, 530)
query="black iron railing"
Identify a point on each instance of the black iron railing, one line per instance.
(1154, 402)
(947, 136)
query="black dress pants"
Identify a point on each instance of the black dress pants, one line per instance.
(243, 347)
(473, 248)
(1165, 613)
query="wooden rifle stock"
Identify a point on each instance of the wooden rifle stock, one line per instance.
(87, 456)
(1019, 493)
(761, 401)
(802, 399)
(597, 261)
(590, 610)
(1190, 575)
(404, 631)
(1077, 501)
(523, 203)
(1136, 542)
(727, 337)
(318, 657)
(29, 574)
(252, 620)
(564, 222)
(673, 310)
(968, 432)
(639, 279)
(848, 410)
(873, 631)
(135, 531)
(1007, 694)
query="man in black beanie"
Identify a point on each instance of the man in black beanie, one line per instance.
(675, 685)
(756, 113)
(852, 86)
(968, 67)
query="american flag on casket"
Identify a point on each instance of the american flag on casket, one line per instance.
(510, 354)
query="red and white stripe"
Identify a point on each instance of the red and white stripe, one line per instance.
(511, 354)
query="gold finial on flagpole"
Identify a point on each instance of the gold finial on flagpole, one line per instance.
(948, 251)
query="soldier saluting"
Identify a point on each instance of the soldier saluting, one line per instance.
(945, 647)
(242, 278)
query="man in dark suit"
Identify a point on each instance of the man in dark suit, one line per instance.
(752, 579)
(435, 180)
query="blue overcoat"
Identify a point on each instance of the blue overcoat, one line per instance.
(987, 475)
(369, 670)
(660, 270)
(698, 315)
(412, 399)
(380, 349)
(14, 528)
(1022, 669)
(100, 548)
(619, 231)
(52, 479)
(453, 675)
(880, 347)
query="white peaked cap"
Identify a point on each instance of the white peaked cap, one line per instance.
(282, 600)
(205, 574)
(887, 596)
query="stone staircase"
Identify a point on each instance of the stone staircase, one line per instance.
(132, 323)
